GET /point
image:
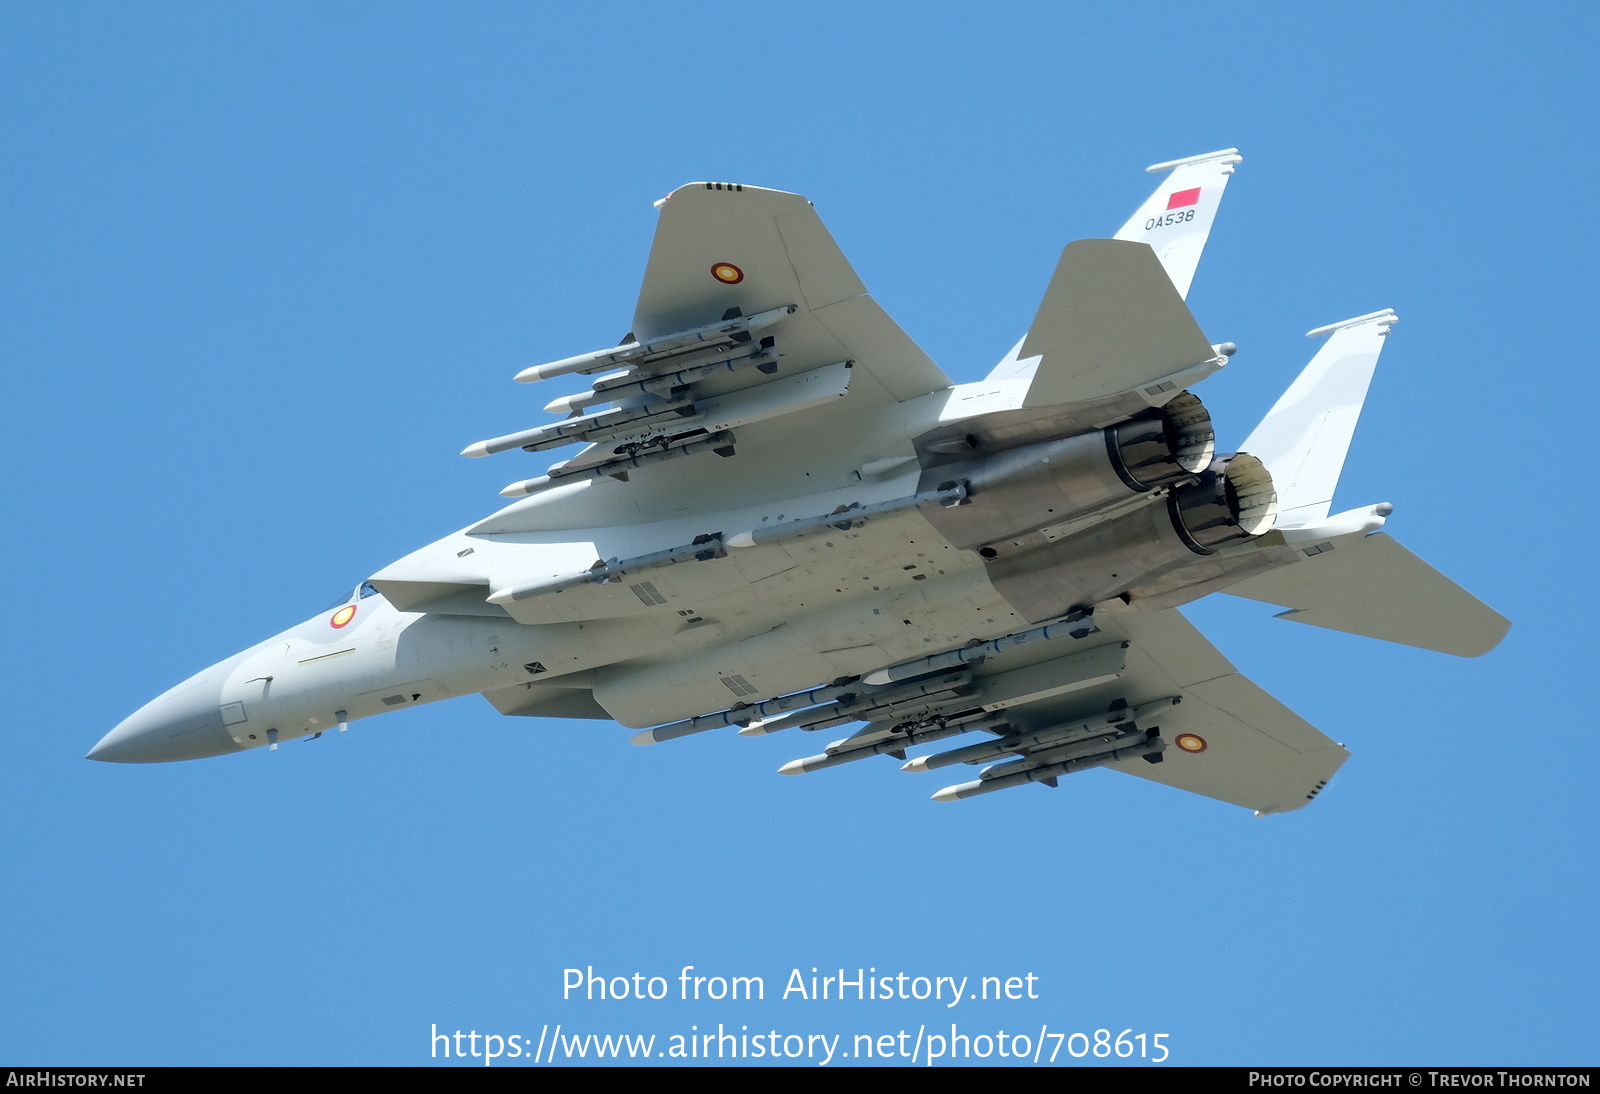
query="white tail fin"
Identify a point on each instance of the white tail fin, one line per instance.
(1177, 218)
(1305, 436)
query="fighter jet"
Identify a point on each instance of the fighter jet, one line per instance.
(779, 514)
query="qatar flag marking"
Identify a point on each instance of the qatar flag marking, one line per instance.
(1184, 197)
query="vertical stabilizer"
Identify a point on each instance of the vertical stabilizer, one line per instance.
(1304, 438)
(1177, 218)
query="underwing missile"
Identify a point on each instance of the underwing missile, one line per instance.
(1150, 747)
(867, 704)
(635, 352)
(558, 475)
(635, 418)
(623, 385)
(1074, 625)
(1058, 735)
(839, 753)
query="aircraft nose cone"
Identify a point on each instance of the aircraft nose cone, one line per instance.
(183, 724)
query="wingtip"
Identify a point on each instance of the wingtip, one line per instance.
(1229, 156)
(1385, 318)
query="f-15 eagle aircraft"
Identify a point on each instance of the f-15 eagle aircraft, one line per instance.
(781, 515)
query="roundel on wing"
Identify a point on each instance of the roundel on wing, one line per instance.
(342, 616)
(1190, 742)
(727, 273)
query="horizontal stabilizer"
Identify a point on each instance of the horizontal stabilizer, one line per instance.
(1372, 586)
(1112, 322)
(1305, 437)
(1177, 218)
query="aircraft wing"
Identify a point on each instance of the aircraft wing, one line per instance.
(1145, 694)
(752, 334)
(720, 246)
(1254, 751)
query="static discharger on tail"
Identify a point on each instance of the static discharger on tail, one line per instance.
(779, 514)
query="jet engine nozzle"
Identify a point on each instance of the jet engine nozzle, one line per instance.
(1163, 444)
(1231, 501)
(1050, 483)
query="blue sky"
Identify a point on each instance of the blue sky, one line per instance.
(265, 268)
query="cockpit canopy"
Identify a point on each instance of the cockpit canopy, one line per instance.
(360, 592)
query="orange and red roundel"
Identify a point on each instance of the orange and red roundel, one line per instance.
(1190, 742)
(727, 273)
(342, 616)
